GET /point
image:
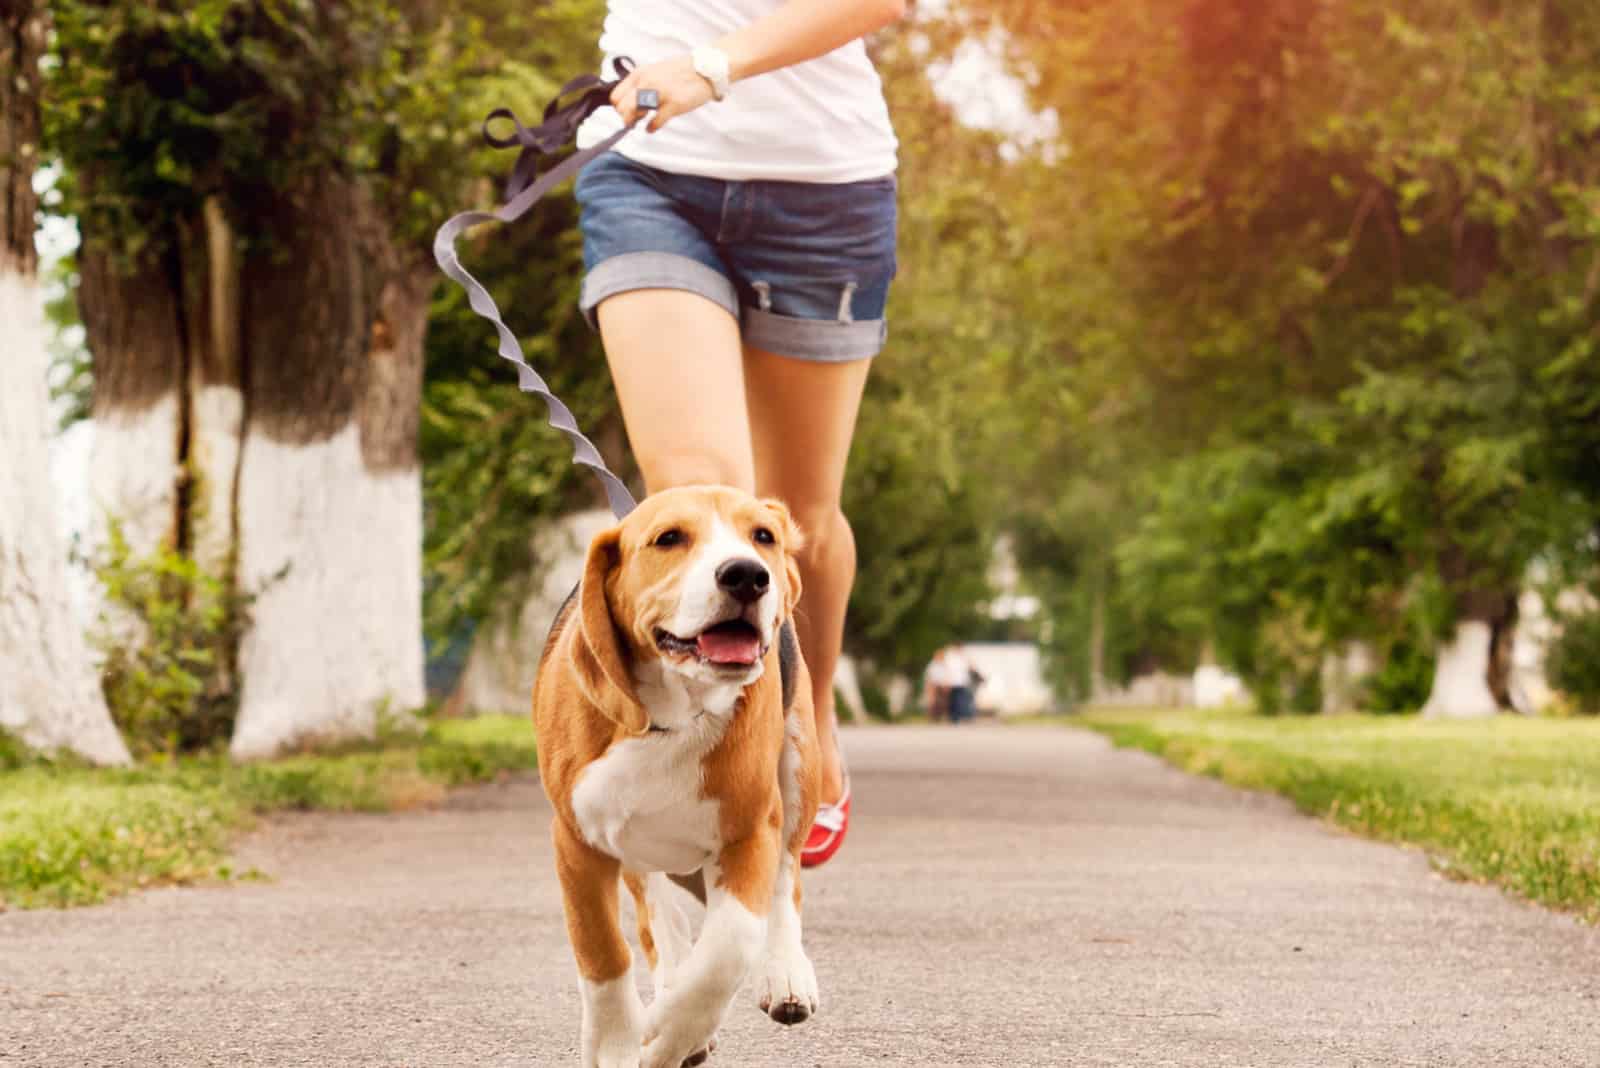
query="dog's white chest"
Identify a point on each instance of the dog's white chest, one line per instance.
(641, 803)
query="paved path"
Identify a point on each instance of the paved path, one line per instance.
(1009, 897)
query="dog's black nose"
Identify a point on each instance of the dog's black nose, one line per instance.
(745, 580)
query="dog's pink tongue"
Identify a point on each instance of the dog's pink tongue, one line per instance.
(730, 646)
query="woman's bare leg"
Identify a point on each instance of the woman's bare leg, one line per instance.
(676, 361)
(802, 417)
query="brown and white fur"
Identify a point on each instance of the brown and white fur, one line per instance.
(668, 752)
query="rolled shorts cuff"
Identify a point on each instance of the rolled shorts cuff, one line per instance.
(654, 270)
(822, 340)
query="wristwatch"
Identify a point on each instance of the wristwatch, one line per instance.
(711, 63)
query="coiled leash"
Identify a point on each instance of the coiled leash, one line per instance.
(523, 190)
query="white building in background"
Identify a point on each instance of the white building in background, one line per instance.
(1216, 687)
(1013, 676)
(1013, 682)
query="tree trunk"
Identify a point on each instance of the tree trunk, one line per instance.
(168, 402)
(49, 687)
(1502, 665)
(1344, 676)
(330, 493)
(1462, 672)
(1097, 645)
(1461, 675)
(214, 387)
(131, 319)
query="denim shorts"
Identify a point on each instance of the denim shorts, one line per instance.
(804, 266)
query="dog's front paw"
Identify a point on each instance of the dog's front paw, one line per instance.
(616, 1049)
(613, 1025)
(786, 987)
(681, 1042)
(699, 1057)
(612, 1051)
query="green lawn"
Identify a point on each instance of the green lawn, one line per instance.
(1511, 801)
(71, 835)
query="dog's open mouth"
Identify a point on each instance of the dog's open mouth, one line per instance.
(734, 643)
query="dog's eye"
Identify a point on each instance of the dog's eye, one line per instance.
(668, 538)
(764, 536)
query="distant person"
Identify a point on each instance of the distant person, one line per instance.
(962, 683)
(936, 683)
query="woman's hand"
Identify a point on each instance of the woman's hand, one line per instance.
(680, 89)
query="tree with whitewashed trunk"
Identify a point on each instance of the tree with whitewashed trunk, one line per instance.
(256, 211)
(49, 692)
(256, 315)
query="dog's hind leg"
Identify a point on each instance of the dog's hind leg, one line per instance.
(665, 934)
(663, 927)
(739, 889)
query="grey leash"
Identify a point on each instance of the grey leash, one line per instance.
(560, 126)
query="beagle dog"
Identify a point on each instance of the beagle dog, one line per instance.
(676, 744)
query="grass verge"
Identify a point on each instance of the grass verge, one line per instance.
(71, 835)
(1510, 801)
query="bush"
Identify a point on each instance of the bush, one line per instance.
(169, 642)
(1574, 662)
(13, 754)
(1403, 681)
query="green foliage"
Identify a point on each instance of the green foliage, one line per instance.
(71, 835)
(922, 541)
(156, 106)
(1403, 679)
(67, 839)
(13, 754)
(169, 636)
(1511, 801)
(1574, 661)
(1324, 294)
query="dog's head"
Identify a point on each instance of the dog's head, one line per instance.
(697, 579)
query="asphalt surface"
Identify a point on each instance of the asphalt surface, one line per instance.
(1021, 896)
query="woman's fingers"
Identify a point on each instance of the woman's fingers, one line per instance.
(678, 90)
(624, 98)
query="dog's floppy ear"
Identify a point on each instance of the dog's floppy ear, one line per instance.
(602, 671)
(793, 542)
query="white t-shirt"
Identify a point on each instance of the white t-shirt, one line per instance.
(824, 120)
(950, 668)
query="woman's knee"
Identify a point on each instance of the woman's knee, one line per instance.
(826, 530)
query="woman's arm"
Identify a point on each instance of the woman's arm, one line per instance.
(797, 31)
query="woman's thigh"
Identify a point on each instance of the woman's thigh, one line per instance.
(667, 312)
(675, 361)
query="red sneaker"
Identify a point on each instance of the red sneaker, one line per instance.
(827, 831)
